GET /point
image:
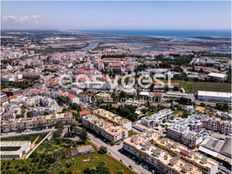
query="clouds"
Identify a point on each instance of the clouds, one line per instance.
(33, 19)
(21, 22)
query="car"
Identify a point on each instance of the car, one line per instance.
(130, 166)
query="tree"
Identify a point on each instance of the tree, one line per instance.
(29, 114)
(61, 172)
(62, 100)
(184, 114)
(83, 135)
(202, 104)
(100, 169)
(185, 101)
(57, 134)
(102, 150)
(68, 164)
(76, 107)
(222, 106)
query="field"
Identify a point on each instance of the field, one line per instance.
(210, 86)
(192, 87)
(41, 162)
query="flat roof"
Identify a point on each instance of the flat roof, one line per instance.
(24, 145)
(219, 75)
(214, 94)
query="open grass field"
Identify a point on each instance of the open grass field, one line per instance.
(40, 163)
(211, 86)
(192, 87)
(78, 165)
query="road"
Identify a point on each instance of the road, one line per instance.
(12, 134)
(113, 151)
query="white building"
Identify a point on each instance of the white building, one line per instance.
(218, 76)
(150, 121)
(171, 95)
(23, 148)
(214, 96)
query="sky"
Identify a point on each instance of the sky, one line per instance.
(116, 15)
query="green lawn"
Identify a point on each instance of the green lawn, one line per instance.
(178, 112)
(187, 86)
(37, 163)
(149, 113)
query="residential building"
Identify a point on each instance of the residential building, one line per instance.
(177, 96)
(107, 129)
(38, 122)
(116, 119)
(189, 132)
(150, 121)
(168, 156)
(218, 125)
(23, 147)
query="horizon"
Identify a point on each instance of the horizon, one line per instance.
(116, 15)
(112, 29)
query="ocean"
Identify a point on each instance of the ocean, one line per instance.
(178, 34)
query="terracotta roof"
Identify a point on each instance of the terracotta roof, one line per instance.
(85, 112)
(71, 96)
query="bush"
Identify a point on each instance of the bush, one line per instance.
(102, 150)
(184, 115)
(222, 106)
(61, 172)
(202, 104)
(83, 135)
(100, 169)
(68, 164)
(119, 172)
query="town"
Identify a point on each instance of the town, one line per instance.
(69, 95)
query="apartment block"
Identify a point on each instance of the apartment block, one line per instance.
(105, 128)
(168, 156)
(116, 119)
(218, 125)
(38, 122)
(150, 121)
(189, 132)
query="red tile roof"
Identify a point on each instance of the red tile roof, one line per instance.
(85, 112)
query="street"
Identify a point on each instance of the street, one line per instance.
(113, 151)
(12, 134)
